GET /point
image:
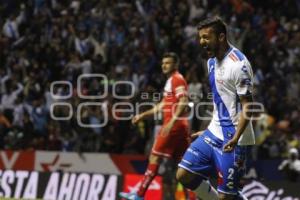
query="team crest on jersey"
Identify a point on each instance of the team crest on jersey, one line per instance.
(221, 71)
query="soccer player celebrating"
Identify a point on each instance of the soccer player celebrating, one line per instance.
(222, 146)
(173, 139)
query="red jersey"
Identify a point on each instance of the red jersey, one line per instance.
(175, 88)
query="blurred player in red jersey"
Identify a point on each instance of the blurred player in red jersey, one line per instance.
(173, 138)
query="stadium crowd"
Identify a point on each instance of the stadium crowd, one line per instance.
(43, 41)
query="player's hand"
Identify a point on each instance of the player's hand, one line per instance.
(196, 135)
(136, 119)
(166, 129)
(229, 146)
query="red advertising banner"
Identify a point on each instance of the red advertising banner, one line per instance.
(132, 182)
(17, 160)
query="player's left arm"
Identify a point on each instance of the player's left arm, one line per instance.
(180, 91)
(244, 120)
(182, 103)
(244, 86)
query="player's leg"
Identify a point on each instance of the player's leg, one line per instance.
(195, 167)
(151, 172)
(231, 167)
(198, 184)
(162, 148)
(204, 188)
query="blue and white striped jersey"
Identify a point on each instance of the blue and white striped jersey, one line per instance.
(230, 78)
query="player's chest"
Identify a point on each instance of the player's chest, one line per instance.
(221, 77)
(168, 86)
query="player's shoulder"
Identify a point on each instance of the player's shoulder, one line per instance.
(236, 55)
(238, 62)
(178, 79)
(177, 76)
(237, 59)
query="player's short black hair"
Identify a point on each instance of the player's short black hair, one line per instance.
(216, 23)
(172, 55)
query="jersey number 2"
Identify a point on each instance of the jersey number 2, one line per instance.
(230, 173)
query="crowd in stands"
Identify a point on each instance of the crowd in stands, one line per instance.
(43, 41)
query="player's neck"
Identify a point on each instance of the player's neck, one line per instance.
(223, 51)
(171, 73)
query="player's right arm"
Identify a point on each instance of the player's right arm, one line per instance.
(147, 113)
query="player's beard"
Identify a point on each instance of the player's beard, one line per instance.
(204, 54)
(213, 49)
(209, 51)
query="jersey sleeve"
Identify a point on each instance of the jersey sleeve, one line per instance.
(179, 87)
(243, 79)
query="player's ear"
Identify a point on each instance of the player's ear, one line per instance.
(222, 37)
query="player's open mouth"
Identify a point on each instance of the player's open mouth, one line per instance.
(207, 50)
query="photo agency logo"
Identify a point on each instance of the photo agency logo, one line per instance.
(64, 108)
(106, 98)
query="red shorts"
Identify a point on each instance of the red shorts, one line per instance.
(173, 145)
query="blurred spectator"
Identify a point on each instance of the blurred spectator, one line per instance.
(13, 89)
(11, 26)
(39, 117)
(291, 166)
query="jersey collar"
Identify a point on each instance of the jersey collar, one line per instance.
(225, 55)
